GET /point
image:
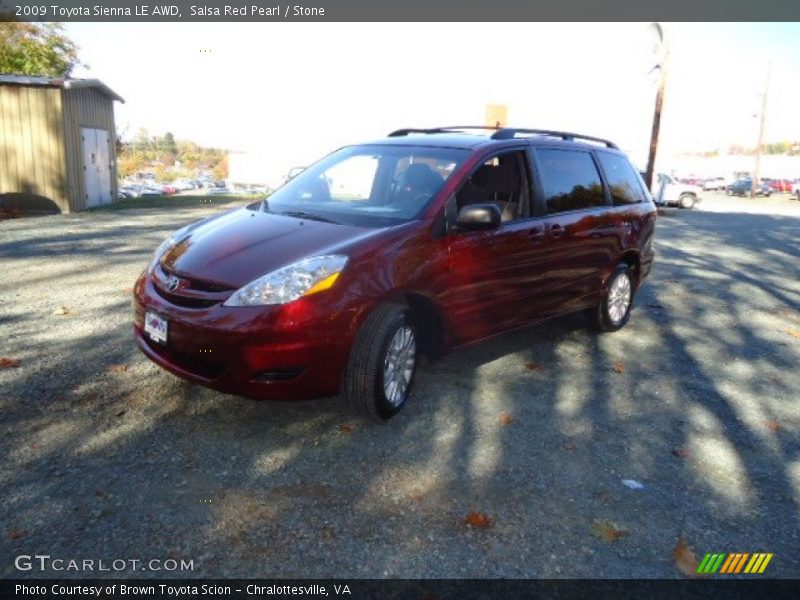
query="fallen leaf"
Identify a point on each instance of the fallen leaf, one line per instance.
(9, 363)
(680, 452)
(61, 310)
(618, 367)
(415, 496)
(632, 484)
(506, 419)
(685, 559)
(346, 428)
(15, 534)
(327, 533)
(99, 493)
(532, 366)
(608, 530)
(793, 332)
(569, 446)
(118, 368)
(477, 519)
(773, 425)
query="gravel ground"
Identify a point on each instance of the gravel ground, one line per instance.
(105, 456)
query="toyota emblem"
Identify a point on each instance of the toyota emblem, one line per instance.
(173, 283)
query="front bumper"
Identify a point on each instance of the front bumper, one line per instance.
(291, 352)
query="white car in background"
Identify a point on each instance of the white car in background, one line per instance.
(715, 183)
(668, 191)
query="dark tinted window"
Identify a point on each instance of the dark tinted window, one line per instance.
(570, 180)
(500, 181)
(622, 181)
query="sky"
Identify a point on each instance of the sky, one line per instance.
(295, 91)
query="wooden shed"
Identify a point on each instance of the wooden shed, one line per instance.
(57, 144)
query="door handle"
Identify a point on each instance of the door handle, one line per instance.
(556, 231)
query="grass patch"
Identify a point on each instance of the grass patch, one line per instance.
(175, 202)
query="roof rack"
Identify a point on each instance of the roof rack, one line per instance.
(507, 133)
(402, 132)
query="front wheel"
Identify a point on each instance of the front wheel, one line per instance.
(382, 363)
(686, 201)
(614, 309)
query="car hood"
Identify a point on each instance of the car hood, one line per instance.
(239, 246)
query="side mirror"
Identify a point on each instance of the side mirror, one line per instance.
(476, 217)
(294, 172)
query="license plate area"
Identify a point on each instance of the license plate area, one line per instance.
(156, 327)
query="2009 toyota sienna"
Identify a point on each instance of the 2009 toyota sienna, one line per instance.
(425, 241)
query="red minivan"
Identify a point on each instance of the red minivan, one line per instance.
(425, 241)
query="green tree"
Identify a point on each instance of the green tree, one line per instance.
(36, 49)
(170, 147)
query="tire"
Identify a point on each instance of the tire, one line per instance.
(686, 201)
(613, 313)
(387, 337)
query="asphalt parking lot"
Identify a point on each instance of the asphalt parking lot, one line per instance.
(105, 456)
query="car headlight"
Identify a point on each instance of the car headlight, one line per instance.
(162, 248)
(305, 277)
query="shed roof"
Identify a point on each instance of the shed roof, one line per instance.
(61, 82)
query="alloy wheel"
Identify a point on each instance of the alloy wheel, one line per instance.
(619, 298)
(398, 366)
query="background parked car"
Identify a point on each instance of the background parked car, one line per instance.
(668, 191)
(129, 191)
(780, 185)
(714, 183)
(742, 187)
(152, 189)
(219, 191)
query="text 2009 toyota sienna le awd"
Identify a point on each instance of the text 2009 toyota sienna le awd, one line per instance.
(418, 243)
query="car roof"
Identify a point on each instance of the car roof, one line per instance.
(473, 137)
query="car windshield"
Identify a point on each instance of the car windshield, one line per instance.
(368, 186)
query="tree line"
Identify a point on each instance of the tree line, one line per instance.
(169, 158)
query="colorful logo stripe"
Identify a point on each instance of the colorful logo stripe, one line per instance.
(734, 563)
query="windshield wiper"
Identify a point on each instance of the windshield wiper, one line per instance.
(299, 214)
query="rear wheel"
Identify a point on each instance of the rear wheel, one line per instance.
(382, 363)
(686, 201)
(614, 309)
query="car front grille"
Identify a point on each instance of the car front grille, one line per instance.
(185, 301)
(192, 293)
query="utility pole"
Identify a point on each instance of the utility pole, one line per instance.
(662, 81)
(757, 171)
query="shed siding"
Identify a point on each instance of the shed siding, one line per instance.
(32, 162)
(86, 107)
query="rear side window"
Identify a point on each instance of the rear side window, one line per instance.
(622, 181)
(570, 180)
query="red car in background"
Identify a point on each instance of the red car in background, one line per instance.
(418, 243)
(780, 185)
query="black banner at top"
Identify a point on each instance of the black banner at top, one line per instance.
(399, 10)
